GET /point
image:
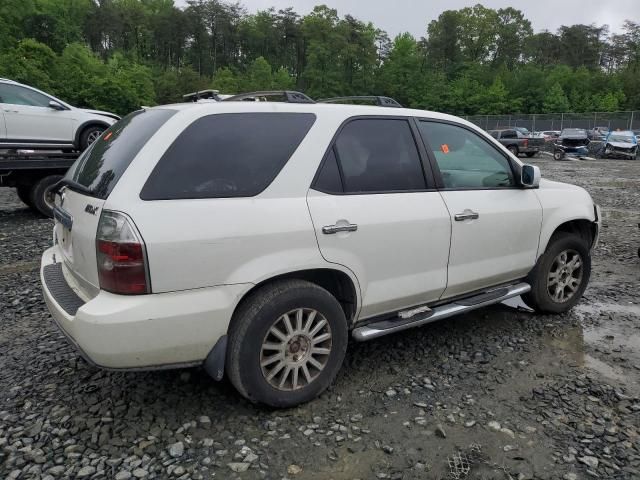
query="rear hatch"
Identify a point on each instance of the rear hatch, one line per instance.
(88, 184)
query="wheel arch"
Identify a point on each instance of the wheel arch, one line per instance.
(337, 282)
(83, 126)
(585, 228)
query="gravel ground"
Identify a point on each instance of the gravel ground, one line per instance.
(497, 394)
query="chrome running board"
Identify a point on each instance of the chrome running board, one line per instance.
(385, 327)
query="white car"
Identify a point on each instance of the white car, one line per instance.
(30, 118)
(252, 238)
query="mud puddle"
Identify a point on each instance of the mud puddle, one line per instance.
(607, 342)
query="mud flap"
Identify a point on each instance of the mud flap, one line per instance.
(214, 363)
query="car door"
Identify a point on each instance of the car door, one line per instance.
(375, 211)
(29, 118)
(3, 130)
(496, 223)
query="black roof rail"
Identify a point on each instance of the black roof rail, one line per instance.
(290, 96)
(379, 100)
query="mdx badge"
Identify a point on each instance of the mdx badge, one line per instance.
(91, 209)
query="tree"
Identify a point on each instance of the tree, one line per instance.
(226, 81)
(258, 76)
(556, 101)
(512, 31)
(400, 73)
(30, 62)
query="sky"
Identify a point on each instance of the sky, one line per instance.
(413, 16)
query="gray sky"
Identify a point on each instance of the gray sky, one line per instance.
(397, 16)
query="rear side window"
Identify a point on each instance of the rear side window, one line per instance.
(100, 167)
(227, 155)
(373, 155)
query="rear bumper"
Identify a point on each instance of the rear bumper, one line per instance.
(141, 332)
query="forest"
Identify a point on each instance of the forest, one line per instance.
(117, 55)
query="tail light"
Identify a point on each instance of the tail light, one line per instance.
(525, 143)
(121, 254)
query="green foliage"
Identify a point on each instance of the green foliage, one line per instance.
(556, 101)
(226, 81)
(120, 54)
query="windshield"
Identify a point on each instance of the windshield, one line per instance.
(573, 132)
(100, 166)
(621, 137)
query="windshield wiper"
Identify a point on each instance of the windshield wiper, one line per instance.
(72, 184)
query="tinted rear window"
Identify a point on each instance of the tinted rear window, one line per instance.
(227, 155)
(100, 167)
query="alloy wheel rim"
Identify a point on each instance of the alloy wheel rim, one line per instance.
(296, 349)
(565, 276)
(93, 136)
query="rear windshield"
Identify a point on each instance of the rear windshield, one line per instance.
(100, 167)
(227, 155)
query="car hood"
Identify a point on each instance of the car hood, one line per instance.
(100, 112)
(621, 144)
(553, 185)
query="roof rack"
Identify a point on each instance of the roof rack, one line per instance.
(202, 94)
(288, 95)
(379, 100)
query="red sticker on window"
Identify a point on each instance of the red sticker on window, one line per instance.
(445, 148)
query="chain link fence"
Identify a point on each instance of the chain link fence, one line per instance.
(558, 121)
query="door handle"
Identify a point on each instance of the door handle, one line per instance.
(466, 215)
(331, 229)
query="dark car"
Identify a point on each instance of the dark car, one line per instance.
(573, 142)
(518, 142)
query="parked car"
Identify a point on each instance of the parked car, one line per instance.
(551, 135)
(622, 144)
(573, 142)
(33, 119)
(313, 222)
(517, 142)
(598, 133)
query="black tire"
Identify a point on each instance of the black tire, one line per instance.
(531, 154)
(540, 297)
(24, 194)
(558, 155)
(88, 135)
(40, 195)
(250, 327)
(513, 149)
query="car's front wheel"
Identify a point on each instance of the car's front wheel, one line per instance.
(558, 155)
(286, 343)
(561, 274)
(90, 135)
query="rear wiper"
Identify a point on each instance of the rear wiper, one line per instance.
(72, 184)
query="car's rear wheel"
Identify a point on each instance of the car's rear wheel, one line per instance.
(42, 198)
(90, 135)
(513, 149)
(531, 154)
(24, 194)
(286, 343)
(561, 274)
(558, 155)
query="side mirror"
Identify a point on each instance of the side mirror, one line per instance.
(530, 176)
(55, 105)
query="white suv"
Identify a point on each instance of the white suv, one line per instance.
(30, 118)
(253, 237)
